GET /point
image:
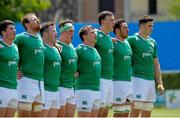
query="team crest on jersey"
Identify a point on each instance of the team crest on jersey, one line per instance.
(100, 35)
(152, 44)
(84, 102)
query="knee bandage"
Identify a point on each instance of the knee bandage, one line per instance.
(38, 107)
(143, 106)
(148, 106)
(122, 109)
(25, 106)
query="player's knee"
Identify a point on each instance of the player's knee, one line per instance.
(25, 106)
(38, 107)
(122, 109)
(138, 105)
(148, 106)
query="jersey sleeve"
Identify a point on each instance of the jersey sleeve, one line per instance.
(18, 40)
(155, 50)
(131, 40)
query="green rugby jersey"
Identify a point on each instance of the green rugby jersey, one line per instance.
(89, 68)
(68, 65)
(31, 51)
(52, 68)
(144, 53)
(9, 58)
(122, 61)
(105, 48)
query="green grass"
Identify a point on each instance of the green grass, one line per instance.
(156, 112)
(160, 112)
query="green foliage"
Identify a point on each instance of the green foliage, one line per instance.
(174, 9)
(171, 81)
(15, 9)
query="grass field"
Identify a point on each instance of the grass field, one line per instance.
(161, 112)
(157, 112)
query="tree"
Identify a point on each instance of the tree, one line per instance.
(15, 9)
(174, 9)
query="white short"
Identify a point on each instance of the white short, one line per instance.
(51, 100)
(8, 97)
(30, 90)
(106, 91)
(87, 98)
(66, 95)
(143, 90)
(122, 90)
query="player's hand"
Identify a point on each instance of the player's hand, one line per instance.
(59, 47)
(76, 75)
(19, 74)
(160, 88)
(114, 40)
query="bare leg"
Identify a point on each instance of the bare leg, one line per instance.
(84, 114)
(53, 113)
(134, 112)
(101, 111)
(105, 113)
(62, 111)
(94, 112)
(3, 112)
(10, 112)
(70, 110)
(44, 113)
(145, 114)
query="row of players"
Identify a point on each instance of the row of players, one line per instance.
(108, 71)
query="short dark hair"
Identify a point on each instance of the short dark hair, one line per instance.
(83, 31)
(62, 23)
(4, 24)
(102, 15)
(118, 24)
(45, 27)
(144, 19)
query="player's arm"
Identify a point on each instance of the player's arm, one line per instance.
(157, 73)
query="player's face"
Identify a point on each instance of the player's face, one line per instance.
(10, 32)
(148, 27)
(91, 36)
(124, 30)
(34, 23)
(52, 34)
(109, 23)
(69, 35)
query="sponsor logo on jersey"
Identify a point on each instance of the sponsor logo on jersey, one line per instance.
(96, 63)
(147, 54)
(24, 96)
(38, 51)
(138, 96)
(0, 101)
(12, 63)
(56, 63)
(72, 61)
(126, 58)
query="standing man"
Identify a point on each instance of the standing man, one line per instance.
(122, 86)
(89, 69)
(105, 47)
(145, 67)
(31, 50)
(9, 58)
(52, 70)
(68, 70)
